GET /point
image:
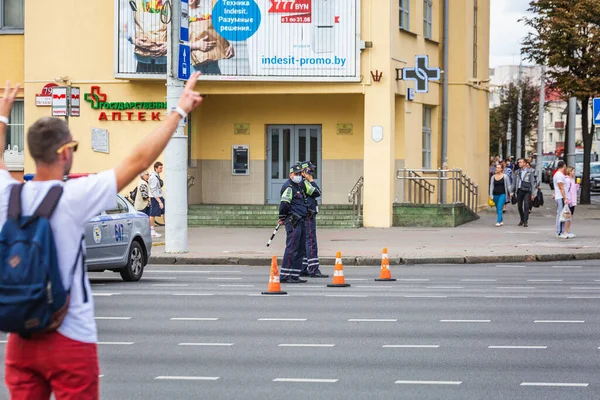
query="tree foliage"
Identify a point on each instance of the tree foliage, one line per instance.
(508, 110)
(566, 37)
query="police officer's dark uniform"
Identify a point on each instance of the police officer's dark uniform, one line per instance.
(292, 211)
(310, 264)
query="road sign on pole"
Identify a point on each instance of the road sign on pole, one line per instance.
(184, 31)
(596, 111)
(59, 101)
(183, 71)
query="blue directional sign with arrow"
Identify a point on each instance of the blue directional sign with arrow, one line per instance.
(185, 62)
(421, 74)
(596, 111)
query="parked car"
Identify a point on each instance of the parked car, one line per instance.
(119, 240)
(595, 176)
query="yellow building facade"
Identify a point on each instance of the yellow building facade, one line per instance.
(351, 128)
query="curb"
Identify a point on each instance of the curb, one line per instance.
(375, 261)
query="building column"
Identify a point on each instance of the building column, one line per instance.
(379, 114)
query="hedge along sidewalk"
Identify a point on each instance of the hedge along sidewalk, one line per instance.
(476, 242)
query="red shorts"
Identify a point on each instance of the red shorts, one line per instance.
(51, 363)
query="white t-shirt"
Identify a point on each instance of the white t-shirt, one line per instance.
(559, 177)
(82, 199)
(154, 185)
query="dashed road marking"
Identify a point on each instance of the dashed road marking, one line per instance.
(410, 346)
(455, 383)
(555, 384)
(371, 320)
(283, 319)
(305, 345)
(188, 378)
(170, 284)
(193, 294)
(505, 297)
(104, 294)
(467, 320)
(444, 287)
(567, 266)
(224, 279)
(236, 285)
(304, 380)
(544, 280)
(193, 319)
(541, 321)
(519, 347)
(516, 287)
(113, 318)
(116, 343)
(423, 296)
(414, 280)
(205, 344)
(478, 280)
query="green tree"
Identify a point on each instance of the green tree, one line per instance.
(566, 37)
(508, 110)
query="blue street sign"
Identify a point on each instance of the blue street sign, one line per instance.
(596, 111)
(185, 62)
(184, 31)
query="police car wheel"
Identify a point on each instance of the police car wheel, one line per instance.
(134, 269)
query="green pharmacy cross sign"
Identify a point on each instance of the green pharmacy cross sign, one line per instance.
(121, 109)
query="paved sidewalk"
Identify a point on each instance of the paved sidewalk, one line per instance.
(476, 242)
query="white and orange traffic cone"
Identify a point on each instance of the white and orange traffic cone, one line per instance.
(385, 274)
(274, 284)
(338, 273)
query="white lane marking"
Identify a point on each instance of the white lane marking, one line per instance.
(467, 320)
(170, 284)
(516, 287)
(584, 288)
(510, 266)
(113, 318)
(428, 382)
(302, 380)
(117, 343)
(518, 347)
(583, 297)
(373, 286)
(371, 320)
(3, 341)
(157, 271)
(193, 319)
(236, 285)
(283, 319)
(410, 346)
(162, 278)
(97, 284)
(555, 384)
(346, 295)
(104, 294)
(100, 376)
(505, 297)
(544, 280)
(423, 296)
(567, 266)
(478, 280)
(444, 287)
(193, 294)
(304, 345)
(224, 279)
(546, 321)
(205, 344)
(188, 378)
(414, 280)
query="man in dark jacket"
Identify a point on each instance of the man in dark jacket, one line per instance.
(310, 264)
(525, 188)
(292, 212)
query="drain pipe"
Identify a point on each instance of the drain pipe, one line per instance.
(445, 100)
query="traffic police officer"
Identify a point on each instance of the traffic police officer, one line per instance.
(292, 212)
(310, 264)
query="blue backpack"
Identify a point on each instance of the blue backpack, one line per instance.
(32, 296)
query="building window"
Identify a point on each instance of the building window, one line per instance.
(475, 18)
(551, 117)
(427, 111)
(12, 15)
(405, 14)
(15, 134)
(428, 19)
(551, 137)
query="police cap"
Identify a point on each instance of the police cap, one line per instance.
(296, 168)
(307, 164)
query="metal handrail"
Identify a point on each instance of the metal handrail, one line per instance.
(420, 184)
(355, 197)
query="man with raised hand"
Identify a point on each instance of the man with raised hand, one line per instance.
(64, 361)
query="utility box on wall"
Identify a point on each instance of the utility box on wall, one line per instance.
(240, 160)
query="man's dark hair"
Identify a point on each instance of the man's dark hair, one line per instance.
(46, 136)
(560, 164)
(157, 165)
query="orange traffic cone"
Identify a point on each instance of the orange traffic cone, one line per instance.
(385, 274)
(274, 285)
(338, 273)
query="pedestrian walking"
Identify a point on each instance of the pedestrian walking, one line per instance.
(310, 263)
(61, 357)
(499, 192)
(141, 202)
(157, 201)
(525, 190)
(572, 188)
(292, 212)
(560, 196)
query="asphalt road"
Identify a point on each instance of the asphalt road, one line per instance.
(438, 332)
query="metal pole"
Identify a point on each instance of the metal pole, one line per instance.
(509, 139)
(520, 114)
(445, 96)
(175, 165)
(540, 144)
(572, 124)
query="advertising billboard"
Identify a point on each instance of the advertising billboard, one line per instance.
(266, 40)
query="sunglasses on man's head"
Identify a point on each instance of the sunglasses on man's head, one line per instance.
(71, 145)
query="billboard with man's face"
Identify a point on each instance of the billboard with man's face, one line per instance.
(269, 40)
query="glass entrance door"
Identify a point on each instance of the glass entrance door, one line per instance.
(286, 145)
